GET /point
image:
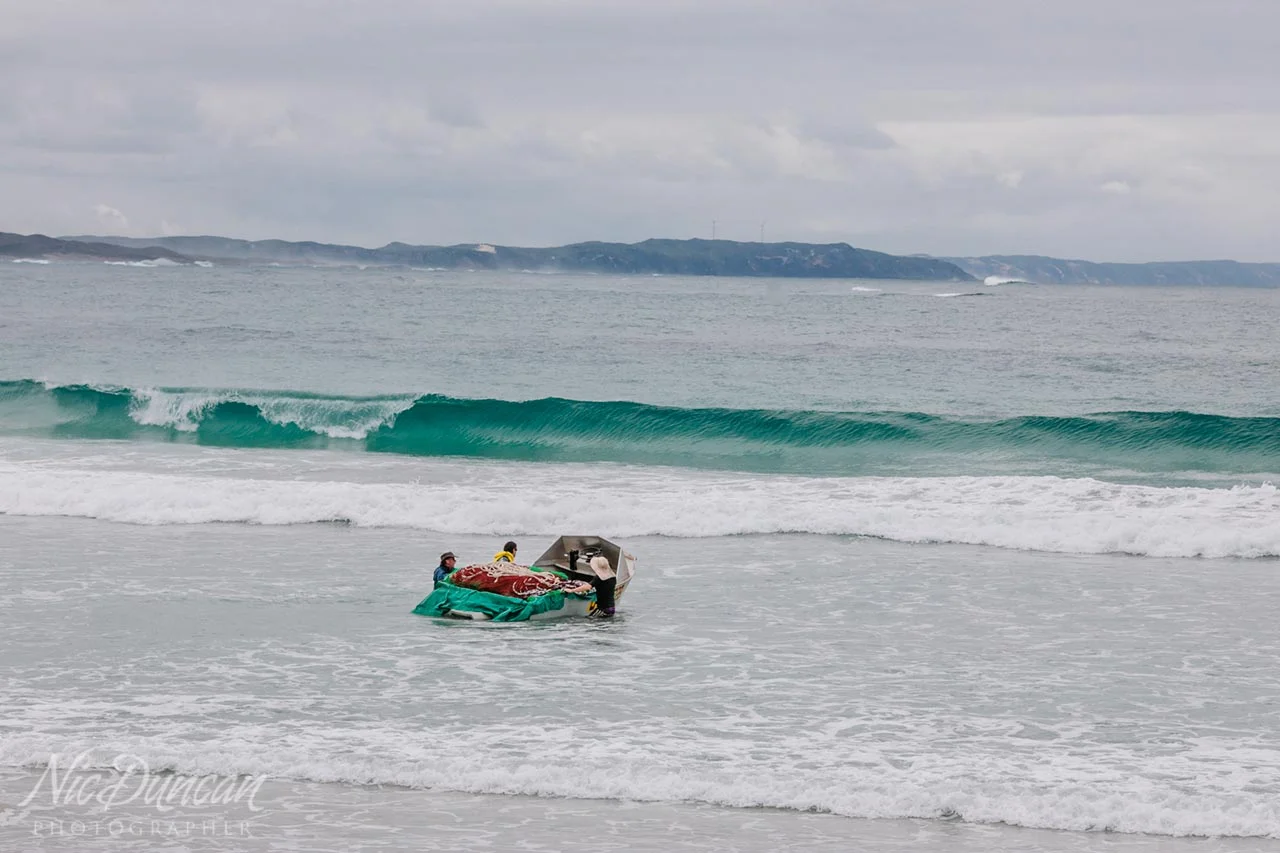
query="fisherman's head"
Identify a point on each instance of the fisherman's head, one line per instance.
(447, 558)
(510, 547)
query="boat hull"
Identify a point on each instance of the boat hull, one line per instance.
(574, 608)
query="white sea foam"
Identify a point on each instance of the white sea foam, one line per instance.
(860, 289)
(155, 262)
(30, 260)
(1052, 790)
(1032, 513)
(318, 415)
(336, 418)
(205, 264)
(160, 408)
(997, 280)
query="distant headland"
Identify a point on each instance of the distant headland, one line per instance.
(650, 257)
(40, 247)
(665, 257)
(1037, 269)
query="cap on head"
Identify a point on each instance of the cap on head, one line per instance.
(447, 555)
(510, 546)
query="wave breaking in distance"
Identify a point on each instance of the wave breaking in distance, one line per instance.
(562, 430)
(1082, 515)
(154, 262)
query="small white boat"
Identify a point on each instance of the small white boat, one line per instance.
(556, 557)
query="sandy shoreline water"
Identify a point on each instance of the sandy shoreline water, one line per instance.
(333, 817)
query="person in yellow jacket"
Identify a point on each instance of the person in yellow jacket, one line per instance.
(507, 554)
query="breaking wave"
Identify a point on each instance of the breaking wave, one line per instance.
(1056, 790)
(1081, 515)
(562, 430)
(154, 262)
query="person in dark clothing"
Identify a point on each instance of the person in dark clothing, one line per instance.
(447, 564)
(602, 577)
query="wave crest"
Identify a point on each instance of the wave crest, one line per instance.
(563, 430)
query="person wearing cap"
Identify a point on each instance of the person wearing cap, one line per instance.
(507, 554)
(447, 563)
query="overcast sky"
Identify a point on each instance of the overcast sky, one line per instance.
(1103, 129)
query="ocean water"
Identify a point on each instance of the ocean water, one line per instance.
(921, 566)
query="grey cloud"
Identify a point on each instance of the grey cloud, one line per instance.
(846, 129)
(922, 125)
(457, 112)
(687, 54)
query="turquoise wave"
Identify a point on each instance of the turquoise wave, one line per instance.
(562, 430)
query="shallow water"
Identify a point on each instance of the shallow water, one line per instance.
(845, 675)
(968, 658)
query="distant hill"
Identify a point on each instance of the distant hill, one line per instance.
(39, 246)
(668, 257)
(1042, 270)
